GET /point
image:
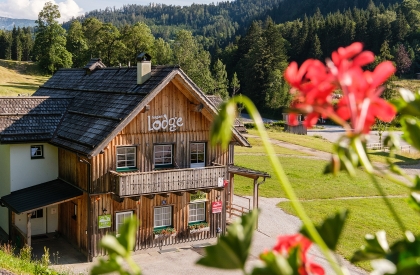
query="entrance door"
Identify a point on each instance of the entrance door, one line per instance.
(38, 222)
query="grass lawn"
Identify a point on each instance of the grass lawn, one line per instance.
(257, 148)
(360, 221)
(308, 181)
(19, 78)
(323, 195)
(327, 146)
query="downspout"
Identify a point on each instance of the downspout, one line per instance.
(89, 207)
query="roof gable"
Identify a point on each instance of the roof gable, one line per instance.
(30, 119)
(96, 107)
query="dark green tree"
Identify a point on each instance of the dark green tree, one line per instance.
(194, 60)
(50, 41)
(162, 51)
(221, 82)
(136, 38)
(76, 45)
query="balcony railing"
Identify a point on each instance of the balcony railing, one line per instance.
(141, 183)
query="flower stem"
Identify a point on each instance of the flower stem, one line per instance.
(285, 184)
(369, 169)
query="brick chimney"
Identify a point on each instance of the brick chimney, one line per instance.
(144, 68)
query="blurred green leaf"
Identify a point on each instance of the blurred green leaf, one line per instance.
(221, 128)
(273, 264)
(108, 266)
(330, 230)
(376, 248)
(408, 104)
(411, 128)
(414, 201)
(232, 249)
(127, 237)
(111, 244)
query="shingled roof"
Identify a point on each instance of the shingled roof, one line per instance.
(30, 119)
(96, 106)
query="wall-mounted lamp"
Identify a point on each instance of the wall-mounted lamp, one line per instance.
(104, 211)
(96, 198)
(163, 202)
(218, 197)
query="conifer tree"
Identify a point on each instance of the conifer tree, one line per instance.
(221, 82)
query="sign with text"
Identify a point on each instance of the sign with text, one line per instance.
(220, 182)
(104, 221)
(161, 122)
(199, 196)
(216, 207)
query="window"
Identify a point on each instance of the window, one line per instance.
(163, 155)
(163, 216)
(120, 218)
(37, 151)
(198, 155)
(197, 212)
(37, 214)
(126, 157)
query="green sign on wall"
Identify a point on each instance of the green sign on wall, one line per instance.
(200, 195)
(104, 221)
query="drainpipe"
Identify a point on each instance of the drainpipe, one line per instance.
(89, 207)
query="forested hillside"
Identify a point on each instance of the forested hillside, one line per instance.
(232, 47)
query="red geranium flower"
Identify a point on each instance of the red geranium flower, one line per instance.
(288, 242)
(361, 101)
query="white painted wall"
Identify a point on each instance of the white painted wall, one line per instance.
(47, 224)
(4, 184)
(52, 218)
(26, 172)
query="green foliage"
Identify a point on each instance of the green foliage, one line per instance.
(221, 128)
(331, 229)
(50, 41)
(26, 253)
(119, 249)
(232, 250)
(221, 82)
(193, 60)
(77, 44)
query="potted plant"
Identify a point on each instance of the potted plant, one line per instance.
(199, 227)
(164, 232)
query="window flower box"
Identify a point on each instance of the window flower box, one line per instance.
(199, 227)
(164, 233)
(199, 230)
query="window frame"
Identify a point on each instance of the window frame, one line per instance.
(198, 164)
(126, 167)
(37, 214)
(197, 219)
(40, 148)
(170, 216)
(117, 223)
(163, 165)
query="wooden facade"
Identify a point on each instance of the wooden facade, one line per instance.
(95, 116)
(110, 191)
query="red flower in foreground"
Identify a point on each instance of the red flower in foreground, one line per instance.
(361, 101)
(288, 242)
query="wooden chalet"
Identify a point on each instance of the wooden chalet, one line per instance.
(96, 145)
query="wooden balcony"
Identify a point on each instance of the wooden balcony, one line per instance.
(143, 183)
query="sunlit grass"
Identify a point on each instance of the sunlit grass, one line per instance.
(366, 216)
(307, 178)
(19, 78)
(258, 148)
(327, 146)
